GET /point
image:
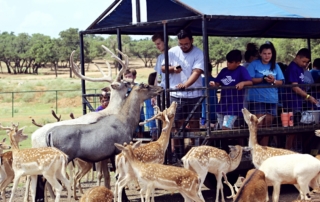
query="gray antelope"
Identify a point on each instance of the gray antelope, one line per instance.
(49, 162)
(153, 175)
(204, 159)
(153, 152)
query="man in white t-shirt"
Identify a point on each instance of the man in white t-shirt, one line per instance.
(185, 68)
(157, 39)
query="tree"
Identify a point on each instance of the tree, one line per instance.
(144, 50)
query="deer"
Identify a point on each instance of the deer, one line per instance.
(153, 152)
(259, 153)
(49, 162)
(302, 170)
(6, 171)
(4, 146)
(99, 193)
(119, 89)
(204, 159)
(254, 188)
(154, 175)
(83, 168)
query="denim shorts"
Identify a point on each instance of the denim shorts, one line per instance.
(185, 106)
(263, 108)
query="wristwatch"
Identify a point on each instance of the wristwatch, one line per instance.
(274, 82)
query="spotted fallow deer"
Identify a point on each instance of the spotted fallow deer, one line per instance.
(259, 153)
(6, 171)
(204, 159)
(4, 146)
(153, 152)
(97, 194)
(48, 161)
(254, 188)
(154, 175)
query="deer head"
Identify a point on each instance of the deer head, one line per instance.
(251, 119)
(16, 135)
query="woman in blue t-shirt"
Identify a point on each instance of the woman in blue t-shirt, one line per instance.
(265, 72)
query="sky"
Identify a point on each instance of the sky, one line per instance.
(49, 17)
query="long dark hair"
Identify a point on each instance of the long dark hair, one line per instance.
(269, 45)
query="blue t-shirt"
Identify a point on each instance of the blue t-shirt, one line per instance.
(291, 100)
(213, 102)
(231, 101)
(150, 114)
(257, 69)
(315, 75)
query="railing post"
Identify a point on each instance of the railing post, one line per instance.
(56, 101)
(12, 96)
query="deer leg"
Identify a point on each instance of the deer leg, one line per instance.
(63, 178)
(106, 173)
(99, 172)
(49, 188)
(120, 184)
(15, 184)
(33, 179)
(276, 191)
(27, 187)
(4, 185)
(57, 186)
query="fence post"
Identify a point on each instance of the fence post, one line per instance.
(56, 102)
(12, 96)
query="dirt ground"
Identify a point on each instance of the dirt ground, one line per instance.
(288, 194)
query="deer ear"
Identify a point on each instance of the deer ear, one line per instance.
(261, 118)
(137, 144)
(4, 139)
(119, 146)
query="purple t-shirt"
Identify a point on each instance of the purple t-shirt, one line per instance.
(291, 100)
(99, 108)
(231, 101)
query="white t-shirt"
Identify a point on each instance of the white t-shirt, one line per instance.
(188, 62)
(157, 68)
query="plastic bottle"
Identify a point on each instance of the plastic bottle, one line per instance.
(290, 118)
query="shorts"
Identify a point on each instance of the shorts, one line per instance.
(185, 106)
(263, 108)
(226, 120)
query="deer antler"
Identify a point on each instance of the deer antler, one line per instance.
(36, 124)
(55, 115)
(124, 65)
(76, 71)
(5, 128)
(71, 116)
(229, 185)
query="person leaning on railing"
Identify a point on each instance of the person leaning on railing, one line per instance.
(293, 96)
(265, 72)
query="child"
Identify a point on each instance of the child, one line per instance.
(231, 101)
(104, 100)
(132, 74)
(150, 111)
(315, 72)
(213, 101)
(293, 96)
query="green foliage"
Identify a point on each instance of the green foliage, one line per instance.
(27, 97)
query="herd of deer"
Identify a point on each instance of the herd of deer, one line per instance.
(103, 135)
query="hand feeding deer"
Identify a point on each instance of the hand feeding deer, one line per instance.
(49, 162)
(204, 159)
(153, 175)
(153, 152)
